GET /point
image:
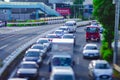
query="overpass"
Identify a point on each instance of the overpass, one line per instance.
(24, 10)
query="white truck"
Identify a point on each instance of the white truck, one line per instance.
(61, 51)
(63, 46)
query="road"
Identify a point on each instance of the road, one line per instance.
(11, 40)
(81, 65)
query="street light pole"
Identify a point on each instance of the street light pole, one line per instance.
(116, 2)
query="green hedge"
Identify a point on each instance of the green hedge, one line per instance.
(106, 53)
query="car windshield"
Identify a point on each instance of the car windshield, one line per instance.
(92, 29)
(38, 47)
(62, 61)
(28, 66)
(102, 66)
(32, 54)
(62, 28)
(58, 32)
(43, 41)
(68, 36)
(52, 36)
(91, 48)
(69, 24)
(63, 77)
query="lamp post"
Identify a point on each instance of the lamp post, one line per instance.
(116, 2)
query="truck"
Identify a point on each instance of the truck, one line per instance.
(61, 53)
(92, 33)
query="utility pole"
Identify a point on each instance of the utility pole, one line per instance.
(116, 2)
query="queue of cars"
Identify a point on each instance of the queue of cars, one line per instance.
(61, 63)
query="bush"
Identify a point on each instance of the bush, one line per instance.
(106, 53)
(10, 25)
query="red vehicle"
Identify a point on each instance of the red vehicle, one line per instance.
(92, 33)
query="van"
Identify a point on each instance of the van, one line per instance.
(72, 25)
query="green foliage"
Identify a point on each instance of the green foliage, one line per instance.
(106, 52)
(104, 12)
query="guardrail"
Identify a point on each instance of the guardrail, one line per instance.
(12, 60)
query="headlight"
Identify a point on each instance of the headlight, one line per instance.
(39, 60)
(85, 54)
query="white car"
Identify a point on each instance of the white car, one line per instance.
(91, 50)
(59, 33)
(64, 28)
(72, 26)
(44, 41)
(64, 73)
(52, 36)
(28, 69)
(100, 70)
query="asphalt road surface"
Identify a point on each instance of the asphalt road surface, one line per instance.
(11, 39)
(81, 65)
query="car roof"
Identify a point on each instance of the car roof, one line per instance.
(91, 51)
(63, 27)
(30, 49)
(17, 79)
(93, 26)
(37, 45)
(61, 55)
(59, 30)
(99, 61)
(28, 62)
(72, 21)
(63, 41)
(63, 70)
(91, 44)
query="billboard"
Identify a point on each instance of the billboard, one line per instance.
(63, 11)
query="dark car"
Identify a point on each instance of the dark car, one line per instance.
(33, 55)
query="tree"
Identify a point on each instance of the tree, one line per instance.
(104, 12)
(75, 8)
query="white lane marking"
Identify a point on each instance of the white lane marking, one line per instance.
(21, 38)
(4, 46)
(78, 60)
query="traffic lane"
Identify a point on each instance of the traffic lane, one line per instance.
(81, 66)
(10, 44)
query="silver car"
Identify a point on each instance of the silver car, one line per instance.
(44, 41)
(28, 69)
(100, 70)
(41, 47)
(91, 50)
